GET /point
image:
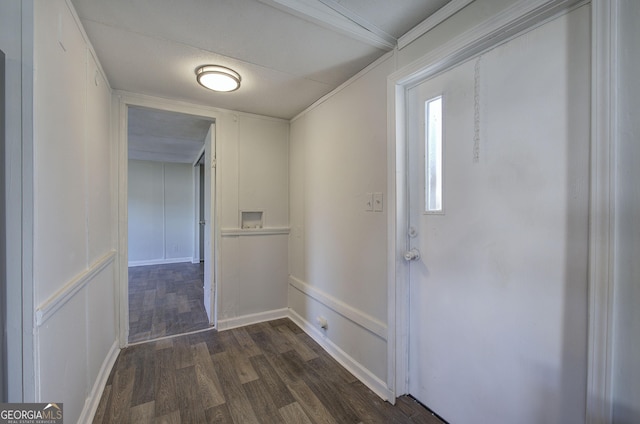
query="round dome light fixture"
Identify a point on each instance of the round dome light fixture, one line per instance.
(218, 78)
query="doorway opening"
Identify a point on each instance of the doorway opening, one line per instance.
(170, 195)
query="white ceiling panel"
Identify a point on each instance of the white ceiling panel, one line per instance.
(141, 64)
(393, 17)
(287, 59)
(289, 53)
(163, 136)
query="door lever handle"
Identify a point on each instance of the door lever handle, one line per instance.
(412, 255)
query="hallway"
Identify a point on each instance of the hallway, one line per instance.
(270, 372)
(165, 300)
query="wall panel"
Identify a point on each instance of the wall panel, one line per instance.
(74, 256)
(98, 156)
(263, 169)
(161, 204)
(338, 249)
(60, 218)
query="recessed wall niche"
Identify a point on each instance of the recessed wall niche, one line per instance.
(251, 220)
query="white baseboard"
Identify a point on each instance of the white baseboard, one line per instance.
(378, 386)
(241, 321)
(92, 402)
(160, 261)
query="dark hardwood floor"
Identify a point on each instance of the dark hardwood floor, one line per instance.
(264, 373)
(165, 300)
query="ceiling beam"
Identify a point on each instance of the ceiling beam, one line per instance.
(357, 19)
(329, 14)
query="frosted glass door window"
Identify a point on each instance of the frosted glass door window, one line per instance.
(433, 152)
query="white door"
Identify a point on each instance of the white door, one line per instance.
(209, 221)
(498, 295)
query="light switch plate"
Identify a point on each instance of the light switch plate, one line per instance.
(377, 202)
(368, 202)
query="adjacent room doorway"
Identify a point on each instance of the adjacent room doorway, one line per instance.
(170, 287)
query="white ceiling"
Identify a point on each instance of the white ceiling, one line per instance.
(289, 53)
(165, 136)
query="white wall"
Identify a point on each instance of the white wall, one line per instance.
(252, 157)
(626, 338)
(74, 210)
(161, 212)
(338, 250)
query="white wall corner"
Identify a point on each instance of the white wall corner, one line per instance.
(378, 386)
(93, 400)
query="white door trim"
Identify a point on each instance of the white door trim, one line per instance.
(121, 102)
(522, 15)
(601, 231)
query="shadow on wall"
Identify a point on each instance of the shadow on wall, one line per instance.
(625, 414)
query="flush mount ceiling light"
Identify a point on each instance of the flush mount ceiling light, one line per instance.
(218, 78)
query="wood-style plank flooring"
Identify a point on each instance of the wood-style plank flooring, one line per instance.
(264, 373)
(165, 300)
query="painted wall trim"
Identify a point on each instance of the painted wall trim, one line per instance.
(162, 261)
(234, 232)
(354, 315)
(522, 15)
(378, 386)
(241, 321)
(432, 21)
(604, 24)
(181, 106)
(50, 306)
(93, 400)
(511, 21)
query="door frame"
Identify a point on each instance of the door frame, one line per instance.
(522, 15)
(197, 188)
(120, 104)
